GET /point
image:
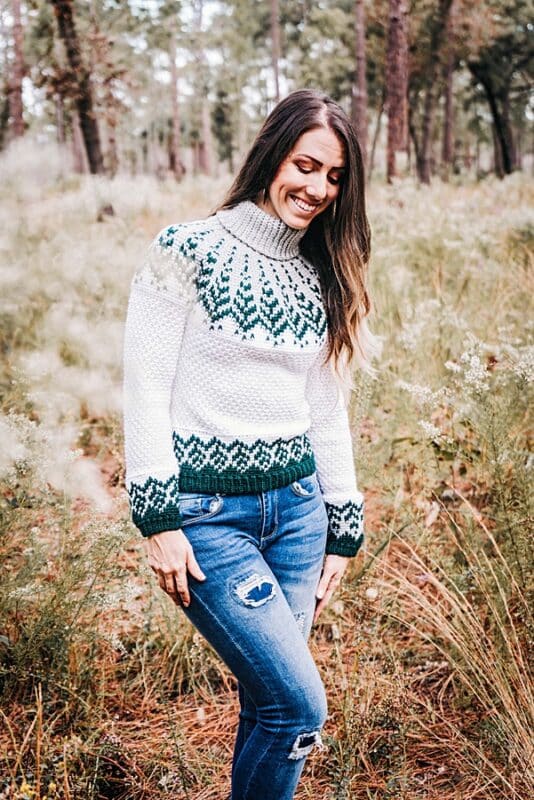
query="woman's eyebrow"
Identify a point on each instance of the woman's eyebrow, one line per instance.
(316, 160)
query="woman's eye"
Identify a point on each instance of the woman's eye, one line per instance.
(305, 170)
(334, 181)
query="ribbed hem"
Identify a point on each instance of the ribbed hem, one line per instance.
(246, 483)
(170, 520)
(345, 545)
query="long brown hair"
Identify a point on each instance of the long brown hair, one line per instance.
(337, 241)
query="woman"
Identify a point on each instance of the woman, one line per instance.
(239, 461)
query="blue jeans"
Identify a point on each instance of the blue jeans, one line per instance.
(262, 555)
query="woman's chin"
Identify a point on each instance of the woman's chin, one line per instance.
(294, 219)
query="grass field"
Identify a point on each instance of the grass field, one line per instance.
(107, 691)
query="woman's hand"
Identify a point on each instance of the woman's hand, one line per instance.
(333, 569)
(171, 556)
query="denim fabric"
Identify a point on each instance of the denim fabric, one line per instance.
(262, 555)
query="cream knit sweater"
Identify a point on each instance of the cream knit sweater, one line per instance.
(225, 389)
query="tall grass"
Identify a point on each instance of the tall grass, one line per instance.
(107, 691)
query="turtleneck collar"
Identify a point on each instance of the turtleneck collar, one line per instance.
(260, 231)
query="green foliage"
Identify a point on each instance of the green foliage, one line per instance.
(224, 58)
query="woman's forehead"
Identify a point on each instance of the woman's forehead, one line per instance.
(321, 144)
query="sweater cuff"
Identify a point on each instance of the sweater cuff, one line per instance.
(154, 505)
(345, 528)
(171, 520)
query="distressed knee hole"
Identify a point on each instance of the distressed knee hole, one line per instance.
(304, 743)
(256, 590)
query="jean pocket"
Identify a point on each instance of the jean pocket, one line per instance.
(197, 507)
(305, 487)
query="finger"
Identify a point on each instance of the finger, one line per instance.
(321, 589)
(180, 579)
(318, 609)
(169, 585)
(323, 602)
(324, 583)
(194, 567)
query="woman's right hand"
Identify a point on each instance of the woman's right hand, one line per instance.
(171, 556)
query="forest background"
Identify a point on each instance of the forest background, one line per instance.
(117, 118)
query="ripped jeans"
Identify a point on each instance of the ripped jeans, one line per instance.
(262, 555)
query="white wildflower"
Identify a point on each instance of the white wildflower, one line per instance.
(475, 373)
(424, 396)
(452, 366)
(429, 429)
(13, 449)
(522, 362)
(116, 642)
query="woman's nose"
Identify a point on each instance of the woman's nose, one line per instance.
(316, 187)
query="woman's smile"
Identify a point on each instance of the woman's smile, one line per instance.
(303, 205)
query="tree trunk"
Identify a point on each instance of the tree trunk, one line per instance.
(428, 112)
(519, 149)
(4, 85)
(202, 146)
(376, 134)
(175, 156)
(447, 152)
(205, 144)
(101, 65)
(502, 130)
(196, 156)
(242, 131)
(144, 152)
(508, 130)
(275, 46)
(416, 145)
(498, 166)
(60, 117)
(396, 83)
(17, 74)
(79, 152)
(426, 131)
(112, 155)
(84, 100)
(359, 89)
(448, 131)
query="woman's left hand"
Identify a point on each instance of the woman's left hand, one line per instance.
(333, 569)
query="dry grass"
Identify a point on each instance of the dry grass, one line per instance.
(107, 691)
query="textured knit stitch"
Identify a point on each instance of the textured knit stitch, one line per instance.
(225, 389)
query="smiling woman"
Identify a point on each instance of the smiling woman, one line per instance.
(239, 458)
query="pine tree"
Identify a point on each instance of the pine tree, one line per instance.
(396, 83)
(17, 74)
(359, 89)
(81, 76)
(447, 152)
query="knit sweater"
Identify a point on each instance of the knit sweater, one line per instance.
(225, 389)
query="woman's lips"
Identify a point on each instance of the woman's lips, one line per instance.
(302, 205)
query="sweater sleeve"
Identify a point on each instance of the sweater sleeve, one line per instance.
(331, 441)
(161, 293)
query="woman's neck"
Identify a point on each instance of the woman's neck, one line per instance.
(260, 230)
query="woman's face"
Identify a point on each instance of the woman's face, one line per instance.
(308, 180)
